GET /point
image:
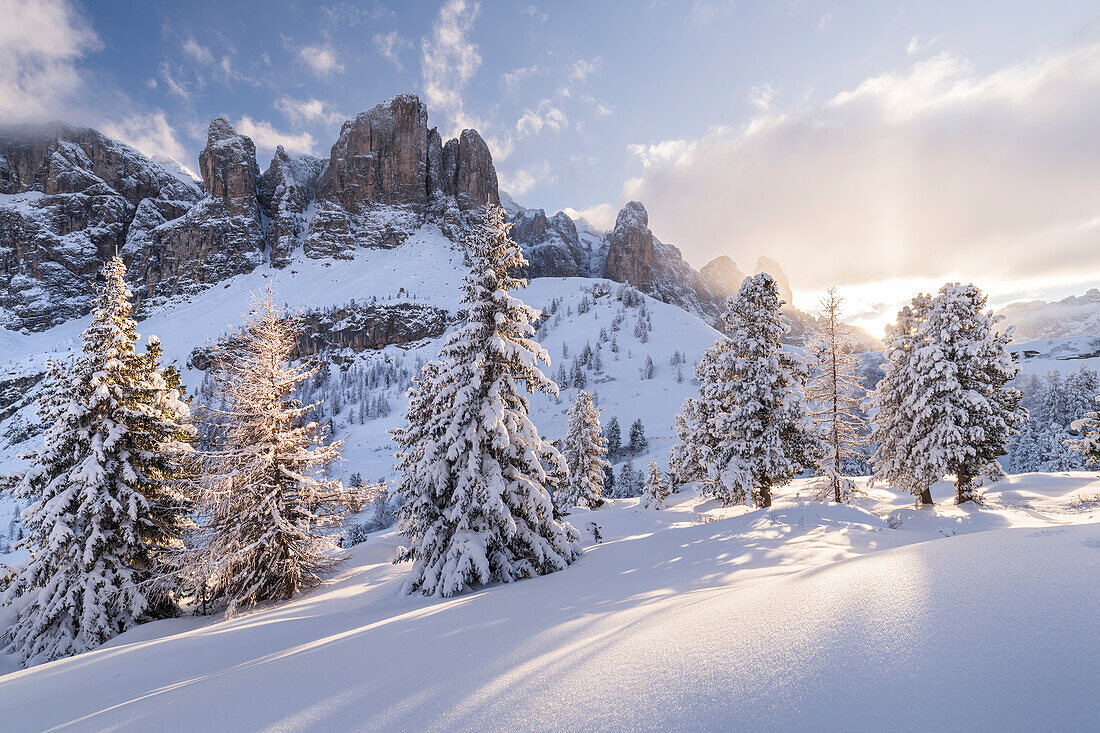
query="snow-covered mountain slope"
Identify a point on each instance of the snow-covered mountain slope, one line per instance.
(1077, 315)
(803, 616)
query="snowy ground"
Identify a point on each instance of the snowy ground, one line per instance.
(804, 616)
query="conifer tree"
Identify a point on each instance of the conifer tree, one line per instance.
(109, 499)
(893, 406)
(584, 450)
(1089, 443)
(655, 490)
(752, 430)
(835, 395)
(477, 478)
(614, 437)
(628, 482)
(638, 442)
(268, 499)
(962, 374)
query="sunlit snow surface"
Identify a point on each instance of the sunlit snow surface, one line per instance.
(806, 615)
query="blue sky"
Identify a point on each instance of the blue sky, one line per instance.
(878, 146)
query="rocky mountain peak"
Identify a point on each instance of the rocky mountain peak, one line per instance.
(770, 266)
(228, 168)
(722, 275)
(633, 216)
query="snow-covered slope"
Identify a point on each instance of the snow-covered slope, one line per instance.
(804, 616)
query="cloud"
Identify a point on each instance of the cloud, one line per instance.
(347, 15)
(604, 111)
(600, 216)
(537, 16)
(311, 110)
(915, 46)
(40, 43)
(933, 171)
(582, 69)
(322, 60)
(449, 59)
(172, 84)
(825, 22)
(389, 45)
(704, 12)
(149, 132)
(199, 53)
(760, 96)
(514, 79)
(531, 122)
(267, 137)
(525, 179)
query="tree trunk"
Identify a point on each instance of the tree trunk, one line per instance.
(926, 496)
(765, 496)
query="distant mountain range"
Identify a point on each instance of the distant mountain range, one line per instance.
(1077, 315)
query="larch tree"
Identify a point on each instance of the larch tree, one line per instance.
(835, 395)
(109, 493)
(268, 500)
(585, 452)
(655, 490)
(476, 476)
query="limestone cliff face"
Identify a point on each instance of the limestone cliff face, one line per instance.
(219, 237)
(723, 276)
(72, 197)
(286, 189)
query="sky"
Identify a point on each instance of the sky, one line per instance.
(882, 148)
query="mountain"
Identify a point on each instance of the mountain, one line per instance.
(1077, 315)
(70, 197)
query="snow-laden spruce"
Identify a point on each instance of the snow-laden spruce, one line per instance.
(109, 493)
(585, 451)
(1089, 443)
(656, 489)
(268, 500)
(476, 476)
(748, 430)
(835, 395)
(943, 406)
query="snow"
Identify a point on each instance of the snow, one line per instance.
(805, 615)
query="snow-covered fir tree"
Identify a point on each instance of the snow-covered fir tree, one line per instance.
(638, 442)
(962, 370)
(1089, 443)
(109, 492)
(655, 490)
(893, 406)
(629, 482)
(614, 437)
(585, 452)
(752, 431)
(268, 498)
(835, 394)
(476, 476)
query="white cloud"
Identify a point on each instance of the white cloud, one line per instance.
(915, 46)
(760, 96)
(389, 45)
(175, 86)
(704, 12)
(531, 122)
(40, 43)
(537, 16)
(582, 69)
(825, 22)
(449, 59)
(310, 110)
(149, 132)
(525, 179)
(934, 171)
(514, 79)
(604, 111)
(600, 216)
(322, 60)
(199, 53)
(267, 137)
